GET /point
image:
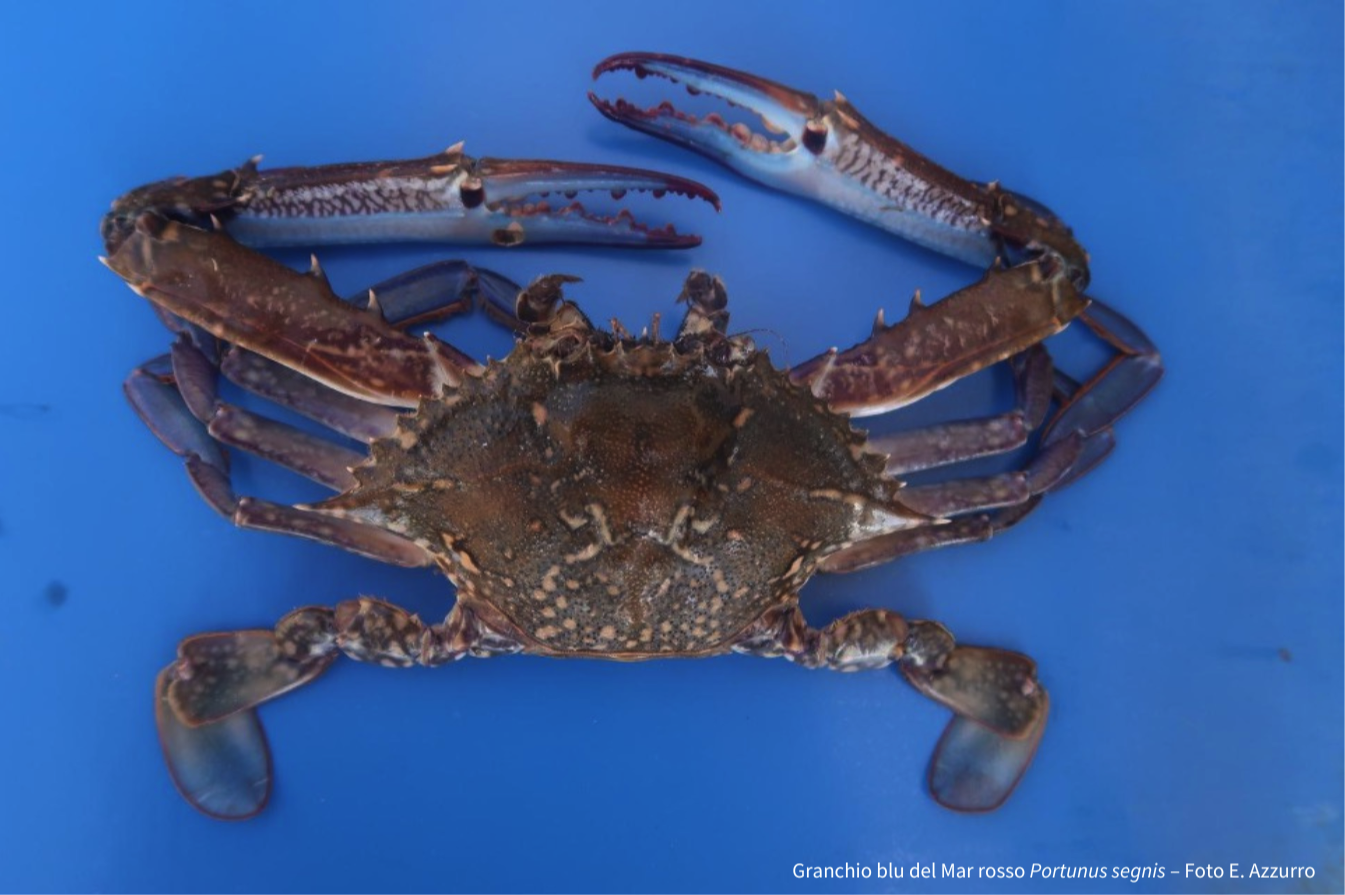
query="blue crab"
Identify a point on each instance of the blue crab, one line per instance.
(602, 494)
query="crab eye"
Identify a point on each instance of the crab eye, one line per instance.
(472, 191)
(815, 136)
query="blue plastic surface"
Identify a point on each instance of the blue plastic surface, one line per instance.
(1184, 601)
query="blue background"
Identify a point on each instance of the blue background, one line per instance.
(1184, 601)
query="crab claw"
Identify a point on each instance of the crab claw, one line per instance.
(825, 150)
(450, 196)
(784, 112)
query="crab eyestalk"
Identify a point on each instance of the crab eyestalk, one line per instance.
(827, 151)
(446, 197)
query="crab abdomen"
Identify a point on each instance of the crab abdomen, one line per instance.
(622, 509)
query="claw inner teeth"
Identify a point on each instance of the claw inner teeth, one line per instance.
(533, 205)
(775, 140)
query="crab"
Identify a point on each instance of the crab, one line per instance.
(597, 493)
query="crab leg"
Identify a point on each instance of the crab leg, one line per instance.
(1097, 445)
(351, 417)
(1092, 409)
(955, 442)
(1063, 455)
(295, 319)
(441, 290)
(1047, 469)
(316, 458)
(157, 399)
(1017, 493)
(444, 197)
(312, 457)
(176, 397)
(1006, 313)
(434, 292)
(205, 701)
(894, 545)
(1000, 708)
(937, 345)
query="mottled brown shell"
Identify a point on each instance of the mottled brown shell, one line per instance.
(632, 499)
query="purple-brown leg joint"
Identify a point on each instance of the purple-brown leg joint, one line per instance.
(205, 702)
(1000, 708)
